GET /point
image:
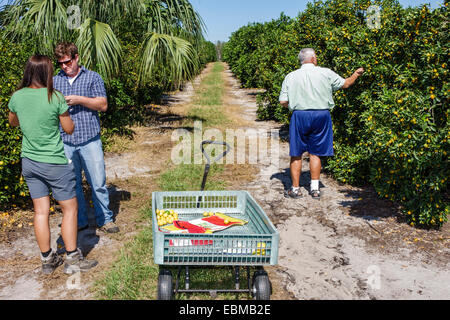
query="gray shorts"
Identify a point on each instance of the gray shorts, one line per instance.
(43, 177)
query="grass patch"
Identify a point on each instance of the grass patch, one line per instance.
(211, 89)
(188, 177)
(117, 143)
(212, 278)
(208, 100)
(133, 276)
(210, 116)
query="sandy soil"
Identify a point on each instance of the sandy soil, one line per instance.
(348, 245)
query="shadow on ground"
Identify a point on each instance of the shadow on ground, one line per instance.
(365, 203)
(87, 239)
(285, 178)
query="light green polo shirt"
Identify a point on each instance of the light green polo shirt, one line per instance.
(39, 121)
(311, 87)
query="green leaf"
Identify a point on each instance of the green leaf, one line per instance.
(99, 48)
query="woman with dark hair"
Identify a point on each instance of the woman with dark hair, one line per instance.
(39, 110)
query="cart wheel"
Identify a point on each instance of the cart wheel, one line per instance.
(261, 286)
(165, 285)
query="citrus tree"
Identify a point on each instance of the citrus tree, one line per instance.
(12, 185)
(392, 128)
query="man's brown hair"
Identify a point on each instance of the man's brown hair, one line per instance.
(66, 49)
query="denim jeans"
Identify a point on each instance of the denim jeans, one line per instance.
(89, 157)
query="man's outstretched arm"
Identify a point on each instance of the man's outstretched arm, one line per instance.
(351, 80)
(96, 104)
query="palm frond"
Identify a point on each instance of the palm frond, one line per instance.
(177, 55)
(175, 17)
(45, 20)
(109, 11)
(99, 48)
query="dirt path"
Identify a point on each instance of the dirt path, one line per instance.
(347, 246)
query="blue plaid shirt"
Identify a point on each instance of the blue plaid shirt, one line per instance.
(87, 122)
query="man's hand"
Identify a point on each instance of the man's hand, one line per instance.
(73, 100)
(351, 81)
(360, 71)
(96, 104)
(285, 104)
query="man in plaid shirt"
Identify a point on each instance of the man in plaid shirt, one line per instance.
(85, 94)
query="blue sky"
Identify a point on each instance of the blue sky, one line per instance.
(222, 17)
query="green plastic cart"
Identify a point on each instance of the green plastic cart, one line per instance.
(253, 245)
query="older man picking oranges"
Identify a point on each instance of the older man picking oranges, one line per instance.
(308, 92)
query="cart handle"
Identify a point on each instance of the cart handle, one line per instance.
(208, 165)
(218, 143)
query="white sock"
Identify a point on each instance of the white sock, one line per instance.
(295, 189)
(315, 184)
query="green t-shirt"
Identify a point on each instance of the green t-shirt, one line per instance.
(39, 121)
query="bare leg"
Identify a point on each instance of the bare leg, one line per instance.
(296, 170)
(41, 223)
(69, 223)
(315, 165)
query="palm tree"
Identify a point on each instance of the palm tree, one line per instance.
(169, 32)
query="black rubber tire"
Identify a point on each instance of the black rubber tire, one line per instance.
(165, 285)
(261, 286)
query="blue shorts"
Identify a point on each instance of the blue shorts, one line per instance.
(311, 131)
(41, 177)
